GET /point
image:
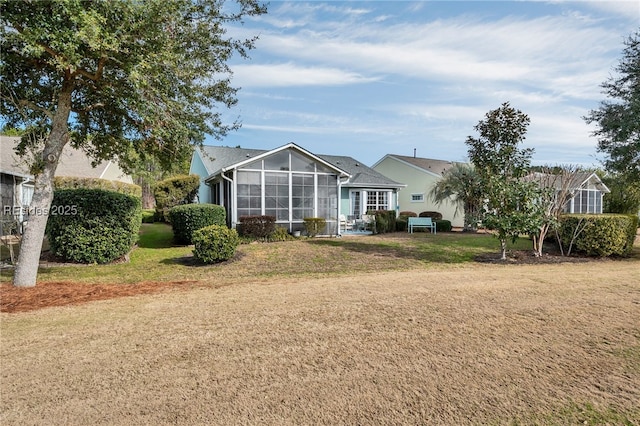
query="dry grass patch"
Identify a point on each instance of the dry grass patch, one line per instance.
(479, 344)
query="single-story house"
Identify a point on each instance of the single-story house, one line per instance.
(586, 187)
(420, 175)
(17, 184)
(291, 184)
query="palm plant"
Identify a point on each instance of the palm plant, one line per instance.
(461, 185)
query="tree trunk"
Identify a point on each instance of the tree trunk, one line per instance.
(148, 200)
(503, 249)
(26, 270)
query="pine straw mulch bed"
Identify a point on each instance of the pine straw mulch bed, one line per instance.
(46, 294)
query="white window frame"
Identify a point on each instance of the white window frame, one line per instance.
(417, 194)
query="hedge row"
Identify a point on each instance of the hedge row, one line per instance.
(598, 235)
(63, 182)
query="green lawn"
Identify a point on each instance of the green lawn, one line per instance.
(156, 258)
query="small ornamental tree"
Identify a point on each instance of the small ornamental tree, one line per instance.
(557, 185)
(510, 205)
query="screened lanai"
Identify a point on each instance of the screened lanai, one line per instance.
(288, 184)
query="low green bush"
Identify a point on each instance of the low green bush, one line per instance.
(407, 214)
(598, 235)
(188, 218)
(314, 225)
(432, 215)
(402, 223)
(215, 243)
(93, 225)
(148, 216)
(258, 227)
(443, 225)
(279, 234)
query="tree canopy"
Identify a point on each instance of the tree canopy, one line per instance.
(618, 118)
(510, 207)
(123, 79)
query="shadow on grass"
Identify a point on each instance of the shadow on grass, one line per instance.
(426, 251)
(192, 261)
(156, 235)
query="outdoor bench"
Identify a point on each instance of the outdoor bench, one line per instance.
(421, 222)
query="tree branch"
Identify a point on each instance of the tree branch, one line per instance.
(25, 103)
(96, 75)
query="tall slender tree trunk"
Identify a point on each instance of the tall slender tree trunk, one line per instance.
(26, 271)
(503, 248)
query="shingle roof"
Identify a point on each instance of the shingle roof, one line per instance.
(428, 164)
(73, 162)
(360, 174)
(577, 180)
(216, 158)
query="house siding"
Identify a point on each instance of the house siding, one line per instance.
(197, 167)
(418, 181)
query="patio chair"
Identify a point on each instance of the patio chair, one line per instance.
(345, 224)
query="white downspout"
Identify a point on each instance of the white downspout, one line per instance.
(340, 183)
(234, 214)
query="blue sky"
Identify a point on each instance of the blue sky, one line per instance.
(365, 79)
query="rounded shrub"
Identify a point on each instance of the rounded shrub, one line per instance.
(188, 218)
(93, 225)
(215, 243)
(401, 224)
(314, 225)
(432, 215)
(443, 225)
(407, 213)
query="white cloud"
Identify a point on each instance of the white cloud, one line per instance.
(377, 78)
(628, 8)
(289, 74)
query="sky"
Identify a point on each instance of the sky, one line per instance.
(370, 78)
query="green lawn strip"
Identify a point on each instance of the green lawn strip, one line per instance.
(156, 258)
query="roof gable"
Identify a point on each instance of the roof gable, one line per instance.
(219, 158)
(73, 162)
(361, 175)
(577, 181)
(428, 165)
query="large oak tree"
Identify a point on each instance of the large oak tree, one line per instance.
(117, 78)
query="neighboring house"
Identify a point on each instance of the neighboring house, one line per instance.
(16, 183)
(420, 175)
(587, 190)
(291, 184)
